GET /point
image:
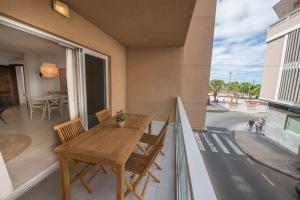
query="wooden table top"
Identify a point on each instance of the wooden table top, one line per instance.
(106, 143)
(133, 121)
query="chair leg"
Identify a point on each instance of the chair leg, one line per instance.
(3, 119)
(103, 169)
(154, 177)
(146, 185)
(49, 114)
(80, 175)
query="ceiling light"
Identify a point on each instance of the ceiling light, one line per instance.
(49, 70)
(61, 8)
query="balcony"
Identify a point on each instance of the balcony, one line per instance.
(284, 23)
(183, 174)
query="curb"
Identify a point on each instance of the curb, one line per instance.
(260, 162)
(217, 111)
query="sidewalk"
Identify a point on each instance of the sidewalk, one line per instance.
(266, 152)
(214, 107)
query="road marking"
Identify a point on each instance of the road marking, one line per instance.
(220, 143)
(199, 142)
(267, 179)
(215, 131)
(250, 161)
(233, 146)
(210, 144)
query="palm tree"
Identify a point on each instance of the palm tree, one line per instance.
(215, 86)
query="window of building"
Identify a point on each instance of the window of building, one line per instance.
(293, 124)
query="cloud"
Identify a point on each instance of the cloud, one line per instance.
(239, 41)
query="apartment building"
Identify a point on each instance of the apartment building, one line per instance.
(281, 78)
(146, 54)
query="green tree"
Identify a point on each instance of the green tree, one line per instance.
(255, 90)
(233, 89)
(215, 86)
(245, 87)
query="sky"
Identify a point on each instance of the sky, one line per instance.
(239, 40)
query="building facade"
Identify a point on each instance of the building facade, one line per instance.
(281, 78)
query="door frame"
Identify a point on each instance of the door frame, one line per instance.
(81, 60)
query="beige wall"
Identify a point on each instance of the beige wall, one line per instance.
(156, 76)
(39, 13)
(153, 80)
(197, 62)
(272, 68)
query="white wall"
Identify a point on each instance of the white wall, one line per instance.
(36, 85)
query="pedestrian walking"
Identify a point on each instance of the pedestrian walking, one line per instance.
(250, 125)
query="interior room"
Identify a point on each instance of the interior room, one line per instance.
(33, 98)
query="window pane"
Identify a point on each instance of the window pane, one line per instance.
(293, 124)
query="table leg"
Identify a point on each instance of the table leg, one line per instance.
(120, 182)
(150, 128)
(64, 173)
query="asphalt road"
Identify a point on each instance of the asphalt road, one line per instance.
(233, 174)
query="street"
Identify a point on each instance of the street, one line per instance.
(233, 174)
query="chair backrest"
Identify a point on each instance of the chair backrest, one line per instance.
(163, 132)
(154, 152)
(103, 115)
(161, 136)
(69, 130)
(4, 103)
(53, 101)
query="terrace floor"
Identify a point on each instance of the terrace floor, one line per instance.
(104, 185)
(39, 154)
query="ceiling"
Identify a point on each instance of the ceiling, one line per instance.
(139, 23)
(284, 7)
(17, 42)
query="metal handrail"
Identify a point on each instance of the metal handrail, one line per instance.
(200, 183)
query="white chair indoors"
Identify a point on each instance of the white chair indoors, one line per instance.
(53, 103)
(34, 105)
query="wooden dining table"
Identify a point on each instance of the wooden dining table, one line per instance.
(104, 144)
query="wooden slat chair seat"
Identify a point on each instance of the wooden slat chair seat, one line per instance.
(139, 166)
(103, 115)
(150, 140)
(66, 132)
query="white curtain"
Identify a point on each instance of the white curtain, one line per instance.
(71, 68)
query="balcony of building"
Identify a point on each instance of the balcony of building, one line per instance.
(284, 24)
(183, 175)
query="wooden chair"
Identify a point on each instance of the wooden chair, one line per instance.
(150, 140)
(103, 115)
(66, 132)
(139, 166)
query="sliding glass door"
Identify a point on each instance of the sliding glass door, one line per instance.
(96, 86)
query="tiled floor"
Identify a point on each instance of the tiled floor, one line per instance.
(104, 184)
(40, 154)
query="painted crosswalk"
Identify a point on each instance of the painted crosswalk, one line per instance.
(220, 143)
(217, 143)
(210, 143)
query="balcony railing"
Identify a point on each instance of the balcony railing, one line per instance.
(192, 180)
(286, 19)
